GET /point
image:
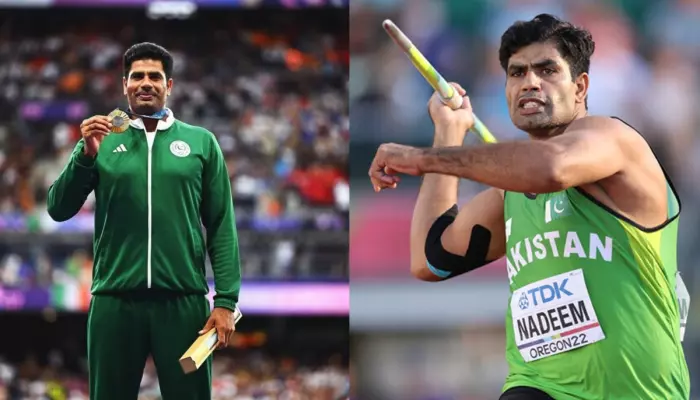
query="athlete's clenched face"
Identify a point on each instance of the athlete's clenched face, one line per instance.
(540, 91)
(146, 87)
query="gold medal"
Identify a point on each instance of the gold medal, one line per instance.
(120, 120)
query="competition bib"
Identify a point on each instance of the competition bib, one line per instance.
(554, 315)
(683, 302)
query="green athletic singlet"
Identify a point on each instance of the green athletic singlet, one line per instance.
(593, 313)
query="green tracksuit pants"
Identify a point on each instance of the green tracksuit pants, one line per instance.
(123, 330)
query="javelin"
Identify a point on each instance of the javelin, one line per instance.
(447, 93)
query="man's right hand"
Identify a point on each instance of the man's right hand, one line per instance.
(93, 130)
(451, 126)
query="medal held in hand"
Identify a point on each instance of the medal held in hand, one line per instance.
(120, 120)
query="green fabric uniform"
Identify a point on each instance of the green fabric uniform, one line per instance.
(149, 286)
(592, 313)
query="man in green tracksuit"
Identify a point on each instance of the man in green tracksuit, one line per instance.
(154, 182)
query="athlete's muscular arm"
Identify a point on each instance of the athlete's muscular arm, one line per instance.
(485, 209)
(591, 149)
(438, 193)
(485, 212)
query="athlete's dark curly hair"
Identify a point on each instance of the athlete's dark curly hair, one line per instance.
(575, 44)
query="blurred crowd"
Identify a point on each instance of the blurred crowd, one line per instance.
(271, 85)
(252, 375)
(645, 70)
(66, 267)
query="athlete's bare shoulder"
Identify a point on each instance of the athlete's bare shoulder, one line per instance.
(599, 122)
(611, 130)
(638, 190)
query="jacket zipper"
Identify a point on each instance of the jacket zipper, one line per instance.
(149, 205)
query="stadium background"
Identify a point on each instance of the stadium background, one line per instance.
(269, 78)
(418, 341)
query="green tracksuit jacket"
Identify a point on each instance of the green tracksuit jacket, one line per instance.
(152, 190)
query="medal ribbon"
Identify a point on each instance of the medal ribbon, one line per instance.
(160, 115)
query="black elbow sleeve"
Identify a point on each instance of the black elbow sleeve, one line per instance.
(447, 265)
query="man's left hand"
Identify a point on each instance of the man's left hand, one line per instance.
(392, 159)
(221, 319)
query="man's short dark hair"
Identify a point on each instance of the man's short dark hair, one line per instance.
(575, 44)
(148, 51)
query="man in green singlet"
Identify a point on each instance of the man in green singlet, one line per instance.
(584, 214)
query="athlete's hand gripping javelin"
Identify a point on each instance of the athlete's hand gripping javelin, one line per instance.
(451, 127)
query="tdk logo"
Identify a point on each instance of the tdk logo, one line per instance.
(546, 293)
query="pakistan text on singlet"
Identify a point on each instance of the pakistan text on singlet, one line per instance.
(555, 244)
